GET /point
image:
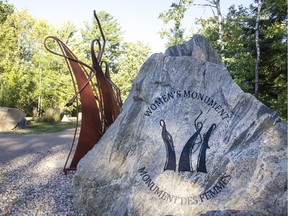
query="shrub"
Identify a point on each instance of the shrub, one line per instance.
(51, 115)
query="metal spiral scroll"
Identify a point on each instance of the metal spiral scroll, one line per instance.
(170, 163)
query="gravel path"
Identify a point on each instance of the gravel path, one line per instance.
(20, 144)
(34, 183)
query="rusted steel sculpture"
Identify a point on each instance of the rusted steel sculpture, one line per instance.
(101, 102)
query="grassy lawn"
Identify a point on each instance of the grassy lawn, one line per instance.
(38, 128)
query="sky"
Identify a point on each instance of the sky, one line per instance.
(138, 18)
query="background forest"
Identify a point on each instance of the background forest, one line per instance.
(251, 41)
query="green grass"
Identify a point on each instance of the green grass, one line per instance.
(40, 128)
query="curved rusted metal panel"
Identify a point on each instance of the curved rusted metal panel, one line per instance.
(90, 132)
(101, 103)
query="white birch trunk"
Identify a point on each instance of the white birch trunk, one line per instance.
(220, 26)
(257, 49)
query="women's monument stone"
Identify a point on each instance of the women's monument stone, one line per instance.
(188, 141)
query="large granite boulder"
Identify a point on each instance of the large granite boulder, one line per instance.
(189, 141)
(11, 118)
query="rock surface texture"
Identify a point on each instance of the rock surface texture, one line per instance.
(11, 118)
(189, 142)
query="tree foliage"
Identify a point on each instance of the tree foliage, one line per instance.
(5, 10)
(113, 34)
(31, 78)
(132, 57)
(273, 61)
(15, 60)
(265, 75)
(124, 58)
(175, 14)
(34, 80)
(241, 53)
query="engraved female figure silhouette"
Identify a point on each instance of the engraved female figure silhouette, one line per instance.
(170, 163)
(186, 155)
(201, 165)
(185, 161)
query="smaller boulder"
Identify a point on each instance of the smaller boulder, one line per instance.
(22, 124)
(11, 118)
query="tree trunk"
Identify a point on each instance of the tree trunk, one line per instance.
(39, 95)
(257, 49)
(220, 26)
